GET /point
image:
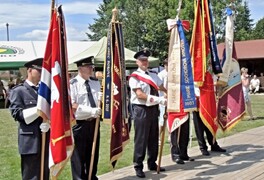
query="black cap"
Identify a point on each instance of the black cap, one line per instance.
(144, 54)
(36, 63)
(85, 61)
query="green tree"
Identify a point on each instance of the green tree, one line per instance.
(258, 32)
(99, 28)
(144, 21)
(243, 23)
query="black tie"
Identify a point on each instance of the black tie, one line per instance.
(35, 88)
(153, 91)
(90, 96)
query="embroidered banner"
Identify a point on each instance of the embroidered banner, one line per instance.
(231, 105)
(174, 69)
(119, 126)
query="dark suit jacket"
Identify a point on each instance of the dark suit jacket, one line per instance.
(22, 97)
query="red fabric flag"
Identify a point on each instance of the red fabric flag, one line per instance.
(54, 99)
(207, 105)
(118, 109)
(196, 47)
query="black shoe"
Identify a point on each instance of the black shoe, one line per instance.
(155, 167)
(217, 149)
(187, 158)
(179, 161)
(205, 152)
(140, 173)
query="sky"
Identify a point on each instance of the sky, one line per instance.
(29, 19)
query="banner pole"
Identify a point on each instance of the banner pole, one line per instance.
(43, 136)
(94, 141)
(162, 139)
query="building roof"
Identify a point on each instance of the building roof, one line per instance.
(251, 49)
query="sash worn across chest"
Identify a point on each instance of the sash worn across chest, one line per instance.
(145, 78)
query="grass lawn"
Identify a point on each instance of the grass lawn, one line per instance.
(10, 159)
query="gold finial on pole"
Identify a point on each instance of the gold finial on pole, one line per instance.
(114, 14)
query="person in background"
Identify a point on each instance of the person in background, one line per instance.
(179, 143)
(145, 100)
(163, 75)
(200, 128)
(3, 95)
(85, 94)
(23, 107)
(245, 87)
(254, 85)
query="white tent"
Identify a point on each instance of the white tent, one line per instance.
(14, 54)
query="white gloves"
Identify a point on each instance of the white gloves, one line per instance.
(100, 96)
(44, 127)
(30, 115)
(154, 100)
(96, 112)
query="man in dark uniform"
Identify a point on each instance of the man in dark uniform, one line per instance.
(179, 145)
(145, 100)
(200, 129)
(23, 107)
(85, 93)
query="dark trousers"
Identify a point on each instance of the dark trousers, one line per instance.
(146, 135)
(200, 128)
(179, 149)
(31, 164)
(83, 133)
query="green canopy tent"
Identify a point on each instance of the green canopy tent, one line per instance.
(98, 50)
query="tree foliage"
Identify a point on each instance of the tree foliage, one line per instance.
(258, 32)
(144, 21)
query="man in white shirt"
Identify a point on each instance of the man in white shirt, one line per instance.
(254, 85)
(85, 96)
(145, 100)
(163, 75)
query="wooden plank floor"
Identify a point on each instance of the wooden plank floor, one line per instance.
(244, 159)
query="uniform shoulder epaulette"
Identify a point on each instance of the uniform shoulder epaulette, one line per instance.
(74, 80)
(153, 71)
(94, 78)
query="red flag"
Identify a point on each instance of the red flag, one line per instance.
(115, 100)
(203, 67)
(207, 103)
(197, 47)
(54, 100)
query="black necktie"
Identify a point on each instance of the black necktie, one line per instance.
(90, 96)
(153, 91)
(35, 88)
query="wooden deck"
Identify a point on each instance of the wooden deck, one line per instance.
(244, 159)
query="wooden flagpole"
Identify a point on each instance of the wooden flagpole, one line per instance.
(94, 141)
(114, 11)
(43, 136)
(162, 139)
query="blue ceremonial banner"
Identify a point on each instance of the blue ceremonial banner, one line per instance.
(187, 85)
(108, 77)
(217, 69)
